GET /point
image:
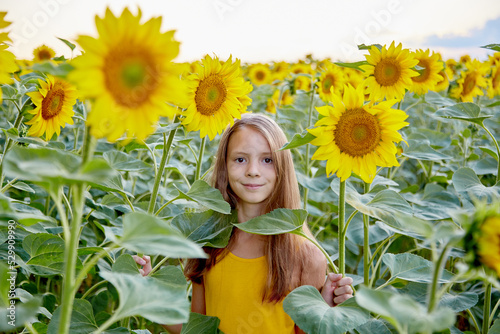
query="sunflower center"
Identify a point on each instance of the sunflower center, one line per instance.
(131, 77)
(327, 83)
(52, 103)
(423, 72)
(469, 84)
(357, 132)
(44, 55)
(210, 95)
(495, 81)
(260, 75)
(387, 72)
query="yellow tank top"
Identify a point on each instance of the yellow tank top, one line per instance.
(233, 293)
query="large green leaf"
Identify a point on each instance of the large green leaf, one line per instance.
(298, 140)
(50, 166)
(124, 162)
(312, 314)
(421, 149)
(411, 267)
(82, 320)
(21, 313)
(201, 324)
(386, 205)
(275, 222)
(466, 181)
(460, 302)
(207, 228)
(373, 326)
(207, 196)
(403, 312)
(46, 253)
(464, 111)
(148, 234)
(149, 298)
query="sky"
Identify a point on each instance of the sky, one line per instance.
(270, 30)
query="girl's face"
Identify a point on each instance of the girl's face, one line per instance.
(250, 168)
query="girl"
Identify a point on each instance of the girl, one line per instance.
(245, 283)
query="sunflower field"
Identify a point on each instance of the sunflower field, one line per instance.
(106, 155)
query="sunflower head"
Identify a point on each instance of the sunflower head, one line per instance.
(429, 66)
(217, 94)
(54, 107)
(482, 238)
(275, 101)
(389, 72)
(129, 75)
(330, 82)
(259, 74)
(357, 137)
(43, 53)
(472, 81)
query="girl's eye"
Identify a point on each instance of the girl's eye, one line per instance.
(240, 160)
(268, 160)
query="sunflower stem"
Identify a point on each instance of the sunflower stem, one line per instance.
(166, 148)
(437, 273)
(366, 243)
(308, 146)
(341, 228)
(8, 145)
(486, 308)
(200, 159)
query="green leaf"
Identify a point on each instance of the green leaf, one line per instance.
(277, 221)
(125, 264)
(59, 70)
(206, 228)
(298, 140)
(82, 319)
(373, 326)
(312, 314)
(201, 324)
(466, 181)
(495, 47)
(124, 162)
(68, 43)
(403, 312)
(23, 186)
(460, 302)
(207, 196)
(356, 65)
(46, 253)
(421, 149)
(464, 111)
(495, 328)
(386, 205)
(411, 267)
(149, 298)
(54, 167)
(171, 275)
(23, 312)
(147, 234)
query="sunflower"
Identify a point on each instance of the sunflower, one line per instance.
(274, 101)
(7, 58)
(428, 77)
(129, 73)
(354, 137)
(471, 81)
(43, 53)
(331, 82)
(489, 243)
(301, 68)
(302, 82)
(389, 72)
(279, 70)
(494, 80)
(259, 74)
(54, 107)
(217, 94)
(4, 36)
(353, 77)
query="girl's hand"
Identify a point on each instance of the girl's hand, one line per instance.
(145, 262)
(337, 289)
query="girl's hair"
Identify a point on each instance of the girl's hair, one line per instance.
(286, 253)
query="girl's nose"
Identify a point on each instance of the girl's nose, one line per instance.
(253, 169)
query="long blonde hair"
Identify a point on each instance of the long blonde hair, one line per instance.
(285, 252)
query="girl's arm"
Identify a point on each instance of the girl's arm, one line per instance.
(198, 299)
